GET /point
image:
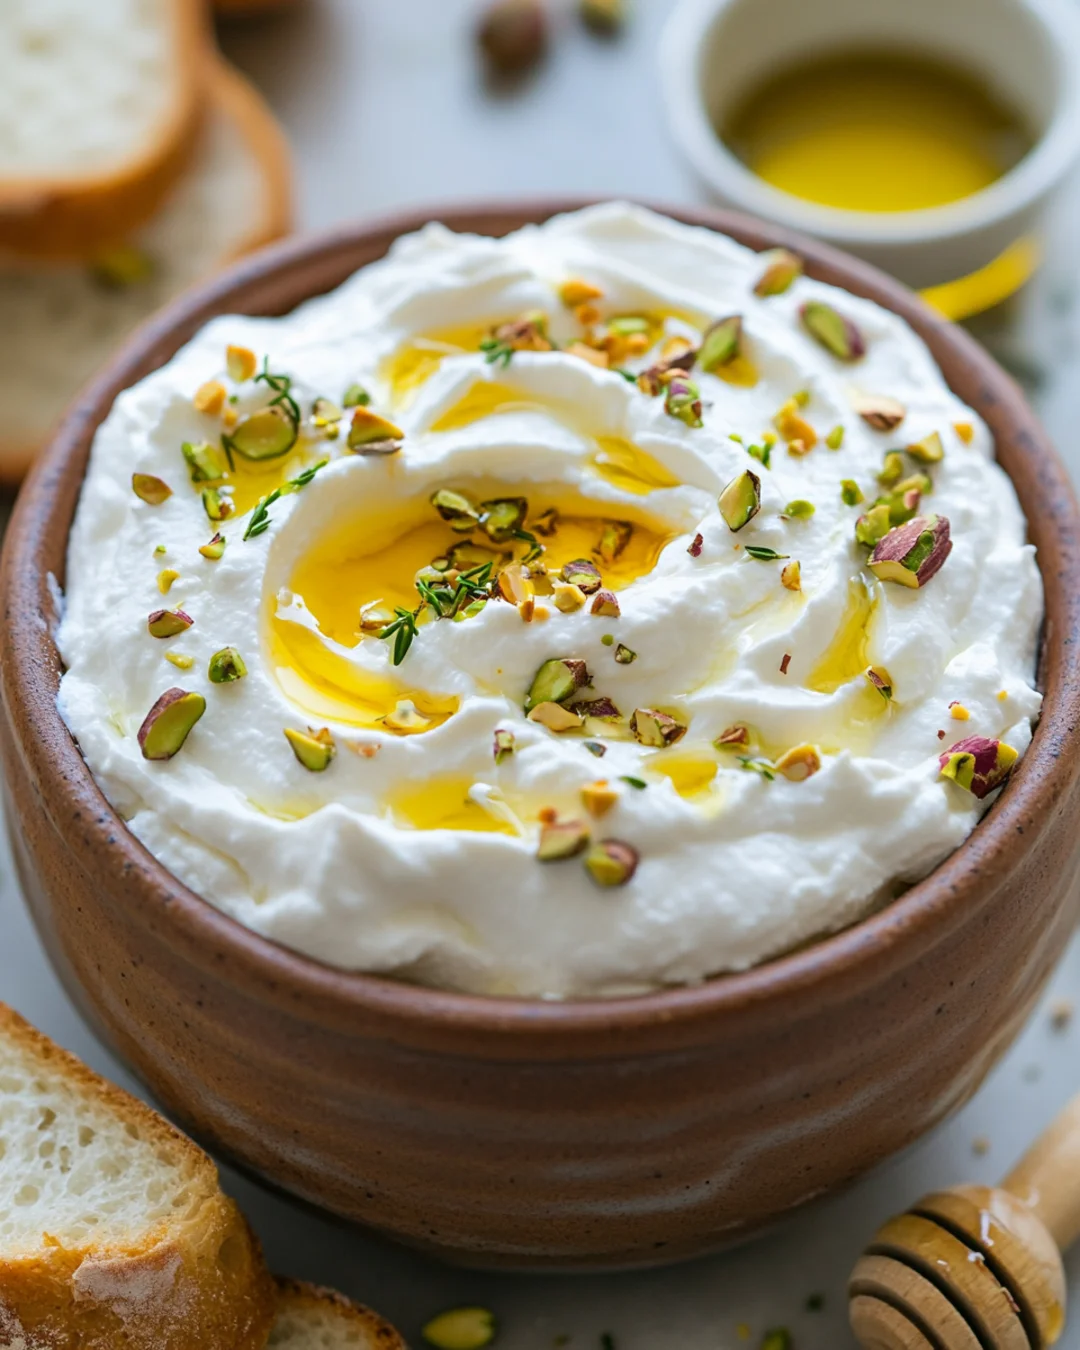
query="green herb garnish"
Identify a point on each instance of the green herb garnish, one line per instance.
(260, 517)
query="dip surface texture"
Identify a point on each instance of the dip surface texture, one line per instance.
(769, 788)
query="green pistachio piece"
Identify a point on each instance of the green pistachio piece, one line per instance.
(605, 604)
(735, 737)
(720, 343)
(762, 453)
(326, 414)
(205, 462)
(880, 678)
(611, 862)
(835, 439)
(978, 765)
(780, 275)
(226, 666)
(465, 555)
(626, 325)
(356, 396)
(166, 726)
(268, 433)
(879, 411)
(149, 489)
(504, 745)
(556, 681)
(461, 1329)
(456, 508)
(605, 17)
(832, 331)
(651, 727)
(740, 501)
(614, 538)
(799, 509)
(683, 401)
(872, 526)
(166, 623)
(562, 839)
(214, 549)
(241, 363)
(216, 506)
(546, 523)
(850, 492)
(892, 470)
(583, 574)
(930, 450)
(624, 656)
(313, 749)
(369, 429)
(912, 554)
(500, 519)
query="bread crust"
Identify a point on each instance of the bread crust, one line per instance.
(235, 97)
(74, 216)
(296, 1296)
(199, 1281)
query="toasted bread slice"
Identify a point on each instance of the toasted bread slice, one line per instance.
(114, 1231)
(309, 1318)
(61, 322)
(99, 105)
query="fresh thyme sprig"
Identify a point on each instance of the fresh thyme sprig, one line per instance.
(282, 387)
(402, 630)
(260, 517)
(497, 352)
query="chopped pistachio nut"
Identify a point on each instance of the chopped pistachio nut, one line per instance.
(791, 577)
(605, 604)
(800, 509)
(831, 330)
(325, 416)
(912, 554)
(892, 469)
(965, 431)
(313, 749)
(959, 713)
(930, 450)
(461, 1329)
(167, 623)
(764, 768)
(210, 397)
(214, 549)
(721, 343)
(614, 538)
(356, 396)
(500, 520)
(799, 763)
(226, 666)
(527, 334)
(879, 411)
(584, 352)
(216, 505)
(596, 748)
(179, 660)
(504, 745)
(241, 363)
(165, 579)
(740, 501)
(783, 270)
(873, 526)
(562, 839)
(568, 599)
(168, 723)
(369, 429)
(835, 439)
(695, 546)
(598, 798)
(556, 681)
(555, 717)
(603, 16)
(268, 433)
(683, 401)
(978, 765)
(850, 492)
(576, 291)
(406, 717)
(735, 737)
(205, 462)
(546, 523)
(583, 574)
(514, 585)
(149, 489)
(611, 862)
(651, 727)
(624, 656)
(457, 509)
(762, 453)
(160, 550)
(599, 709)
(880, 678)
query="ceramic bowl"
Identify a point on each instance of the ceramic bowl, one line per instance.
(532, 1134)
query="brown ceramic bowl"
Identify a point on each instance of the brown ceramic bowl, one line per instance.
(506, 1132)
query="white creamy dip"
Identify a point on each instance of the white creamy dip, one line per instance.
(736, 862)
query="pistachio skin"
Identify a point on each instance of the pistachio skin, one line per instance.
(149, 489)
(611, 862)
(978, 765)
(912, 554)
(503, 746)
(881, 680)
(167, 623)
(780, 275)
(740, 501)
(831, 330)
(167, 725)
(562, 840)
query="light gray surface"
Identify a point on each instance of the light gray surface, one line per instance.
(384, 107)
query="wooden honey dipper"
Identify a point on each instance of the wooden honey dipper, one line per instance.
(977, 1267)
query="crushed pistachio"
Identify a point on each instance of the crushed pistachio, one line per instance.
(205, 462)
(562, 839)
(873, 526)
(605, 17)
(167, 623)
(546, 523)
(785, 663)
(598, 798)
(568, 599)
(880, 678)
(214, 549)
(762, 453)
(611, 862)
(959, 713)
(835, 439)
(179, 660)
(210, 397)
(735, 737)
(879, 411)
(168, 723)
(461, 1329)
(965, 431)
(799, 763)
(783, 270)
(624, 656)
(160, 550)
(740, 500)
(791, 577)
(696, 545)
(683, 401)
(930, 450)
(504, 745)
(850, 492)
(796, 430)
(596, 748)
(165, 579)
(313, 749)
(405, 716)
(226, 666)
(502, 519)
(460, 513)
(216, 505)
(593, 355)
(576, 291)
(356, 396)
(831, 330)
(601, 709)
(241, 363)
(527, 334)
(721, 343)
(149, 489)
(605, 604)
(912, 554)
(800, 509)
(555, 717)
(651, 727)
(892, 469)
(978, 765)
(371, 434)
(764, 768)
(556, 681)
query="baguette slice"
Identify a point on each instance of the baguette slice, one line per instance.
(113, 1229)
(99, 103)
(60, 323)
(309, 1318)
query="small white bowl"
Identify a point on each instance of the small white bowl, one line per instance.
(715, 52)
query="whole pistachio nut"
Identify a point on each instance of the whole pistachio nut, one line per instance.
(461, 1329)
(562, 839)
(721, 343)
(241, 363)
(611, 862)
(881, 680)
(368, 428)
(651, 727)
(583, 574)
(930, 450)
(783, 270)
(226, 666)
(513, 35)
(912, 554)
(149, 489)
(313, 749)
(978, 765)
(555, 717)
(166, 726)
(167, 623)
(214, 549)
(356, 396)
(500, 519)
(683, 401)
(504, 745)
(740, 501)
(833, 331)
(614, 538)
(873, 526)
(456, 508)
(799, 763)
(266, 434)
(205, 462)
(605, 604)
(879, 411)
(556, 681)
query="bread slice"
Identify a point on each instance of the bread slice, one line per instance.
(99, 104)
(114, 1231)
(60, 322)
(309, 1318)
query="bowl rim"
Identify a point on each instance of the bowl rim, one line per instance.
(1030, 180)
(839, 966)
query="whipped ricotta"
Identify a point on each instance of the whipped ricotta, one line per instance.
(414, 852)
